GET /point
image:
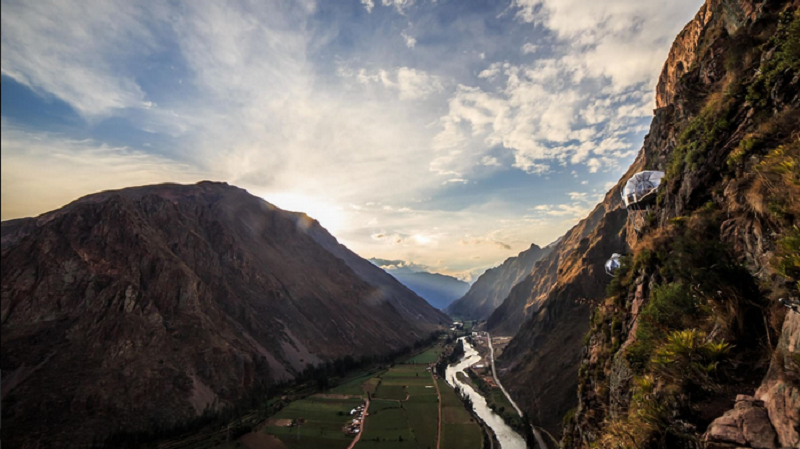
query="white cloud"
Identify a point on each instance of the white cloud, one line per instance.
(492, 71)
(42, 172)
(411, 41)
(617, 39)
(368, 5)
(529, 48)
(399, 5)
(63, 48)
(577, 196)
(409, 83)
(490, 161)
(536, 113)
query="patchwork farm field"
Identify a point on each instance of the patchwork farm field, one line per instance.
(318, 421)
(459, 428)
(404, 412)
(429, 356)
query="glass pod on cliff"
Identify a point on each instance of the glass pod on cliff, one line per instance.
(639, 194)
(613, 264)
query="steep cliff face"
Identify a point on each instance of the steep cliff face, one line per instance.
(493, 286)
(138, 308)
(716, 251)
(689, 347)
(540, 364)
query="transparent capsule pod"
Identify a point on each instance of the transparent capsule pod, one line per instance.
(639, 194)
(613, 264)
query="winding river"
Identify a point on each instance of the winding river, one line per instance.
(509, 439)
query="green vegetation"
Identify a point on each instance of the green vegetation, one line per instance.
(459, 428)
(214, 427)
(318, 422)
(498, 402)
(397, 422)
(356, 385)
(702, 133)
(786, 42)
(429, 356)
(388, 426)
(696, 287)
(779, 171)
(689, 357)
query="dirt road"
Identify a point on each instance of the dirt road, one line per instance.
(536, 434)
(362, 427)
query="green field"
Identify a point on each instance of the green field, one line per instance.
(396, 392)
(459, 428)
(404, 412)
(429, 356)
(324, 418)
(354, 386)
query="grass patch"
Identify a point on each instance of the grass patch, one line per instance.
(354, 387)
(387, 427)
(426, 357)
(323, 422)
(423, 418)
(397, 392)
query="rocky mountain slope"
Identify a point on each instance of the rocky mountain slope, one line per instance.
(688, 345)
(493, 286)
(439, 290)
(145, 306)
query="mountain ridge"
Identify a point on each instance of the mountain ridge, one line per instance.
(197, 292)
(438, 289)
(494, 285)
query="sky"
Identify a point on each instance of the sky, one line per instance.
(449, 134)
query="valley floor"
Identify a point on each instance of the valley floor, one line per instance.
(405, 406)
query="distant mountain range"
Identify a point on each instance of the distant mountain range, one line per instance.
(493, 286)
(142, 307)
(438, 289)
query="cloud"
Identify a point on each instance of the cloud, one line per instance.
(42, 171)
(399, 266)
(483, 241)
(539, 112)
(577, 196)
(63, 48)
(492, 71)
(617, 39)
(529, 48)
(409, 83)
(411, 41)
(490, 161)
(399, 5)
(368, 5)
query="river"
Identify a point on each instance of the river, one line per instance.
(509, 439)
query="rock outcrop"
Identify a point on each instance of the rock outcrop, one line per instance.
(747, 425)
(140, 308)
(493, 286)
